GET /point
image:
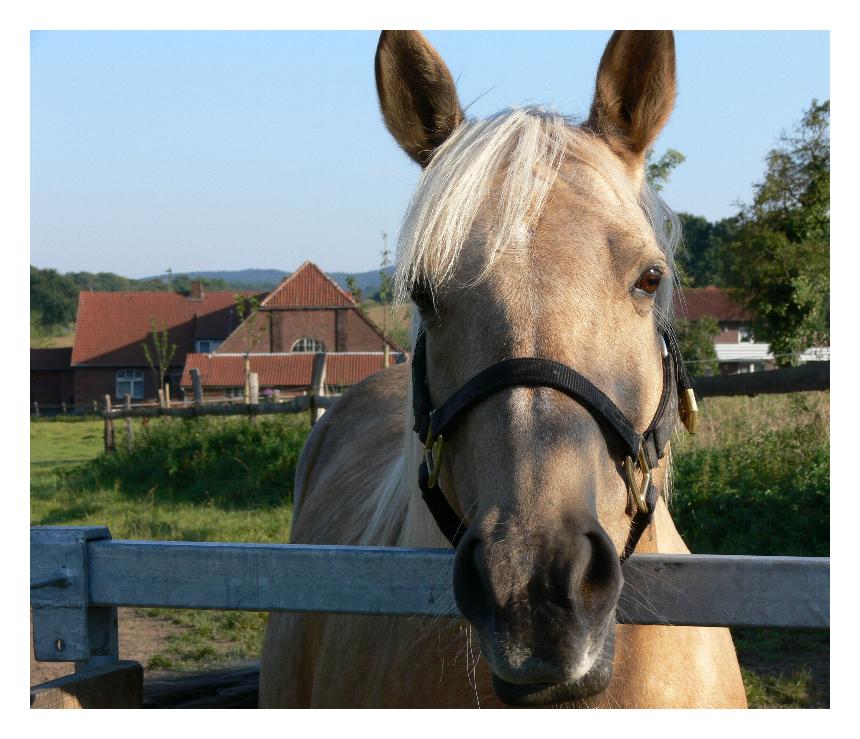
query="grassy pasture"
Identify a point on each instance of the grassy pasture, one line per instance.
(754, 480)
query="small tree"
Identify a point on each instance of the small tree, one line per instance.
(696, 342)
(353, 288)
(385, 293)
(247, 310)
(161, 353)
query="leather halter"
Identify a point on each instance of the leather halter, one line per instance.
(643, 450)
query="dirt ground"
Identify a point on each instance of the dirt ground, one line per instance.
(140, 637)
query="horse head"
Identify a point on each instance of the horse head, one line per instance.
(531, 236)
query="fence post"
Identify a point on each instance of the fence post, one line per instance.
(95, 407)
(110, 442)
(64, 409)
(197, 384)
(253, 395)
(276, 396)
(36, 407)
(129, 431)
(317, 386)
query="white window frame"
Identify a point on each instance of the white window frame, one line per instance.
(301, 345)
(129, 382)
(206, 346)
(234, 392)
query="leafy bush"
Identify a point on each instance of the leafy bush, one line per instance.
(768, 494)
(229, 463)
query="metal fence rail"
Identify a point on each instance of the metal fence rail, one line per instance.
(80, 575)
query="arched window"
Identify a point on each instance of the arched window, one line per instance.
(307, 344)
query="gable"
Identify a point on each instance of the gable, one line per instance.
(307, 287)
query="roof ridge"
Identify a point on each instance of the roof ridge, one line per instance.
(303, 268)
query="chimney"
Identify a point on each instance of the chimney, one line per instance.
(196, 290)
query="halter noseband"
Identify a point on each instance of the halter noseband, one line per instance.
(641, 450)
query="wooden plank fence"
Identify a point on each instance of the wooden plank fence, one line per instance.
(79, 576)
(810, 376)
(315, 403)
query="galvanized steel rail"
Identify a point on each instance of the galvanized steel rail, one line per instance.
(80, 575)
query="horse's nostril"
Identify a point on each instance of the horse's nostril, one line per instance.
(471, 588)
(597, 582)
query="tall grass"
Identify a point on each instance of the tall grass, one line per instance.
(756, 479)
(226, 463)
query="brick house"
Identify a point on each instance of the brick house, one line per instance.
(51, 377)
(736, 347)
(308, 312)
(107, 357)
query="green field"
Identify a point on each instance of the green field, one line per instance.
(754, 480)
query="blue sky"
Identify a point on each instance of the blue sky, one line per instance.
(227, 150)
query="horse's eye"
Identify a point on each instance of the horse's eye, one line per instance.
(649, 280)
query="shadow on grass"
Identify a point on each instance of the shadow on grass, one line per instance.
(785, 668)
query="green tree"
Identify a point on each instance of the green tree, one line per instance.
(386, 291)
(704, 257)
(161, 353)
(353, 288)
(780, 257)
(696, 342)
(658, 171)
(53, 296)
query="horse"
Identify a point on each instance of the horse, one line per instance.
(532, 240)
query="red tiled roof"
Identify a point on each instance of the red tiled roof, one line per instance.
(282, 370)
(51, 359)
(709, 301)
(308, 287)
(112, 325)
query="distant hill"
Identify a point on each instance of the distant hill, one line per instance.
(266, 279)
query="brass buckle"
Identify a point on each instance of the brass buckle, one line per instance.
(689, 411)
(432, 457)
(638, 493)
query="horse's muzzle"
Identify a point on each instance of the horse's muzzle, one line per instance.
(544, 610)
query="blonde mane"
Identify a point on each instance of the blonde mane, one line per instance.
(523, 149)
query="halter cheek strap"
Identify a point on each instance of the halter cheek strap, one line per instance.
(641, 452)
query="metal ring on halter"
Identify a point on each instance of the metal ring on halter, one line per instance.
(638, 493)
(432, 457)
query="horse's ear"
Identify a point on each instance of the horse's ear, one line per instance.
(635, 91)
(417, 94)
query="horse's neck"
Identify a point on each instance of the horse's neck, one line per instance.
(662, 536)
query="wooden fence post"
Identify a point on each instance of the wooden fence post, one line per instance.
(317, 386)
(36, 407)
(129, 431)
(197, 384)
(276, 396)
(162, 403)
(253, 395)
(110, 442)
